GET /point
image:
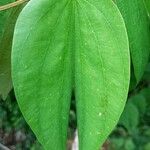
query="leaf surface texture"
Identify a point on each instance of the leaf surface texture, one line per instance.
(60, 46)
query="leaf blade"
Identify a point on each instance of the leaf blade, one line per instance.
(8, 20)
(42, 70)
(102, 68)
(137, 24)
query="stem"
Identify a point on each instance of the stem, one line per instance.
(13, 4)
(2, 147)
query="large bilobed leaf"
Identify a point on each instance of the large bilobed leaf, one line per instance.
(101, 69)
(137, 24)
(61, 44)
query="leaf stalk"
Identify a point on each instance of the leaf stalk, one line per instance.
(13, 4)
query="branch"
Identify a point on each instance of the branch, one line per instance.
(13, 4)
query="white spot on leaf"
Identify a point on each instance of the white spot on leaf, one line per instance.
(100, 114)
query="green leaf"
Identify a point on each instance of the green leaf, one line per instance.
(7, 23)
(140, 102)
(42, 68)
(147, 146)
(146, 93)
(4, 16)
(129, 144)
(133, 82)
(6, 30)
(116, 143)
(129, 121)
(147, 3)
(64, 45)
(137, 23)
(146, 75)
(102, 70)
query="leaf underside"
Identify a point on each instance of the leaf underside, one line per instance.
(71, 45)
(3, 16)
(7, 23)
(4, 77)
